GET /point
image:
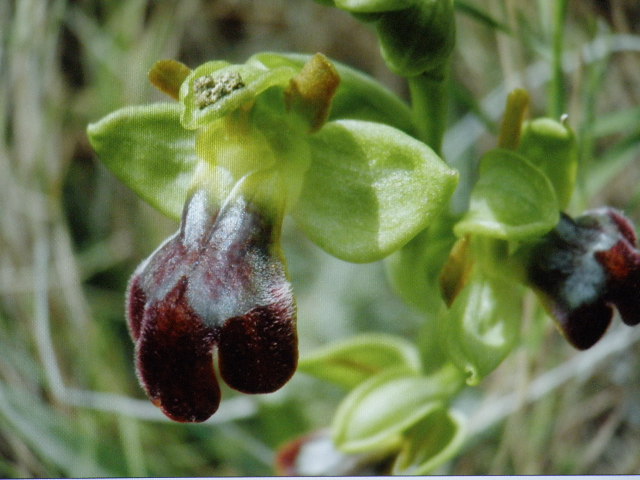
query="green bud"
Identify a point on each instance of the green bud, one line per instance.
(482, 325)
(430, 443)
(418, 39)
(551, 146)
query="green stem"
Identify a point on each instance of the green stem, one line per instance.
(557, 96)
(430, 101)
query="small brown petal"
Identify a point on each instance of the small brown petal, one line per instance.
(622, 264)
(585, 325)
(258, 352)
(620, 261)
(626, 301)
(136, 300)
(625, 227)
(586, 267)
(175, 362)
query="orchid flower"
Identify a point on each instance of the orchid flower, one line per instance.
(242, 147)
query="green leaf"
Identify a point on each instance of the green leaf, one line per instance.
(618, 157)
(216, 88)
(614, 123)
(483, 325)
(370, 189)
(359, 96)
(551, 146)
(481, 16)
(150, 152)
(372, 6)
(512, 200)
(351, 362)
(374, 415)
(430, 443)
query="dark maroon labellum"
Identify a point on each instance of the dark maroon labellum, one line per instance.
(585, 267)
(219, 280)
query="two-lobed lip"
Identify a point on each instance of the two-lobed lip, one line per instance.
(219, 281)
(586, 267)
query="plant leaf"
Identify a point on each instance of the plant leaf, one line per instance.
(481, 16)
(430, 443)
(351, 362)
(150, 152)
(370, 189)
(374, 415)
(512, 200)
(372, 6)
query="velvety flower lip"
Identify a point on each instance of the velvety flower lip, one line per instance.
(585, 267)
(220, 280)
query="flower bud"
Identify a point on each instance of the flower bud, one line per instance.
(418, 39)
(219, 280)
(551, 146)
(316, 455)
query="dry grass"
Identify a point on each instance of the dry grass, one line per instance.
(70, 235)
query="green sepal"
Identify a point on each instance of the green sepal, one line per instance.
(374, 415)
(551, 146)
(418, 39)
(353, 361)
(373, 6)
(150, 152)
(370, 189)
(483, 324)
(430, 443)
(512, 200)
(413, 270)
(359, 96)
(250, 80)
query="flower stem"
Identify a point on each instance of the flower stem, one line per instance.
(557, 96)
(429, 100)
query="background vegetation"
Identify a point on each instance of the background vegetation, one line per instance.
(70, 235)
